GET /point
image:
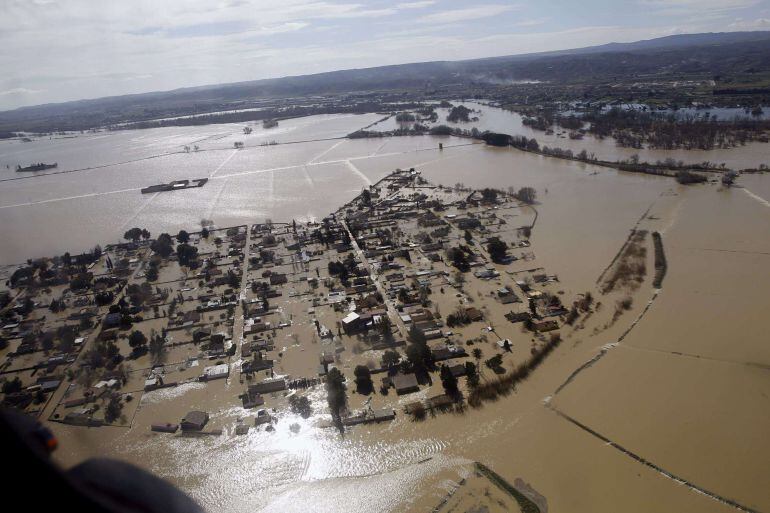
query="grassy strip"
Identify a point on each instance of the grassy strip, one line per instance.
(526, 505)
(490, 390)
(661, 265)
(629, 270)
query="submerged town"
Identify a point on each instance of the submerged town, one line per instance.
(409, 287)
(517, 283)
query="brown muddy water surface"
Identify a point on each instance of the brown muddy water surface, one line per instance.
(687, 389)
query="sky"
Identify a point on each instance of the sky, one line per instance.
(61, 50)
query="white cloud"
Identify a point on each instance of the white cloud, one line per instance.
(531, 22)
(466, 14)
(19, 91)
(757, 24)
(415, 5)
(70, 49)
(696, 7)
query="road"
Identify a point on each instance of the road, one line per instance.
(395, 318)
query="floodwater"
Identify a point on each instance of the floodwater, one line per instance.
(497, 120)
(688, 389)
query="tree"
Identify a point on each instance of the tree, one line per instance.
(390, 358)
(162, 245)
(686, 177)
(301, 406)
(134, 234)
(468, 236)
(46, 341)
(233, 279)
(471, 375)
(526, 195)
(152, 273)
(459, 259)
(183, 237)
(449, 381)
(66, 339)
(416, 336)
(417, 352)
(489, 195)
(477, 353)
(495, 363)
(81, 281)
(335, 396)
(157, 348)
(12, 386)
(137, 339)
(497, 249)
(186, 254)
(114, 408)
(364, 383)
(386, 329)
(205, 233)
(146, 234)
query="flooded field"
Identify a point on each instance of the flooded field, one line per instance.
(686, 389)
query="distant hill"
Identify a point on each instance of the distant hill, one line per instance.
(678, 56)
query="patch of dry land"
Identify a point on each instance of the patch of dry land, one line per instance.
(423, 348)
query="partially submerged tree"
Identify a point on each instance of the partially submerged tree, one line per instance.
(335, 396)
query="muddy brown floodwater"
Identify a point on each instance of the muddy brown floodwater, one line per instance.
(687, 389)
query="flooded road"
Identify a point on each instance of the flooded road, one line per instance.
(687, 389)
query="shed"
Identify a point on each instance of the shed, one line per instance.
(215, 372)
(405, 383)
(194, 420)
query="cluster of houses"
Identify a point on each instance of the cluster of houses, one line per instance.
(368, 279)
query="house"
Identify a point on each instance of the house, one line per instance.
(446, 352)
(458, 370)
(50, 385)
(421, 315)
(486, 274)
(78, 418)
(506, 296)
(112, 320)
(213, 372)
(405, 383)
(518, 317)
(467, 223)
(252, 399)
(351, 323)
(543, 326)
(153, 382)
(256, 365)
(254, 326)
(268, 385)
(194, 420)
(474, 314)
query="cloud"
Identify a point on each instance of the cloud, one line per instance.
(19, 91)
(531, 22)
(415, 5)
(757, 24)
(696, 7)
(68, 49)
(466, 14)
